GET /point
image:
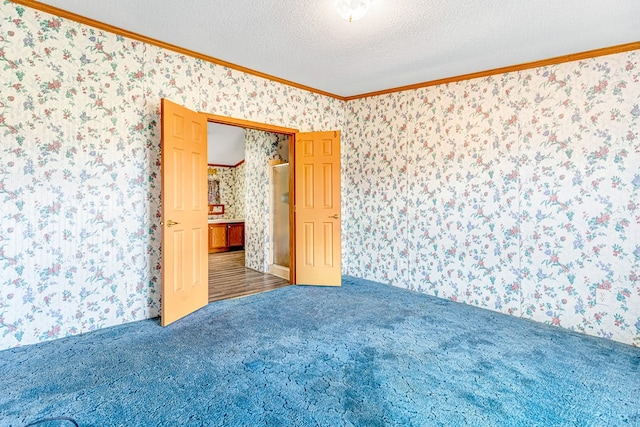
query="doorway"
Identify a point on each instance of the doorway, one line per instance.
(315, 199)
(245, 198)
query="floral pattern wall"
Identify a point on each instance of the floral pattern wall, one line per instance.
(80, 163)
(231, 191)
(260, 148)
(241, 188)
(517, 193)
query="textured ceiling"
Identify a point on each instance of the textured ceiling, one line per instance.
(399, 42)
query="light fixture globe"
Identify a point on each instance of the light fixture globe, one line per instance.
(352, 10)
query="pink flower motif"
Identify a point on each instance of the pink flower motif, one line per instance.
(54, 85)
(602, 85)
(606, 285)
(53, 331)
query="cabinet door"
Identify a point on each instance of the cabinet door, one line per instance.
(236, 234)
(217, 236)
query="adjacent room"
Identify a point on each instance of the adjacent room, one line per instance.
(432, 215)
(247, 174)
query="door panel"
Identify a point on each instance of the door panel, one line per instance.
(328, 247)
(327, 186)
(317, 208)
(308, 186)
(184, 212)
(236, 235)
(178, 263)
(196, 242)
(309, 257)
(218, 235)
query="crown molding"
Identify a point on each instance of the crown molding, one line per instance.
(144, 39)
(512, 68)
(519, 67)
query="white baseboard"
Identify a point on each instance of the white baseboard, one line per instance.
(280, 271)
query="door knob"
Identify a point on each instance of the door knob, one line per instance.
(172, 223)
(334, 216)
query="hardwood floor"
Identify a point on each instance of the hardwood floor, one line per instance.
(229, 278)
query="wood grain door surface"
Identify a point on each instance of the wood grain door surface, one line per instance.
(317, 208)
(184, 212)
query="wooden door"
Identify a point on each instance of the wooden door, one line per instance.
(317, 208)
(184, 212)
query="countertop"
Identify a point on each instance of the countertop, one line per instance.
(225, 221)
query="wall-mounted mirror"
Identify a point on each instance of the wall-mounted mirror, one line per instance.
(213, 196)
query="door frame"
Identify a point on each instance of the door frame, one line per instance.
(291, 133)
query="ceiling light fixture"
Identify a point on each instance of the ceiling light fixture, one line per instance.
(352, 10)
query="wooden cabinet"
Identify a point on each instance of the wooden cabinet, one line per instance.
(217, 237)
(226, 236)
(235, 234)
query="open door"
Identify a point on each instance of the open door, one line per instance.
(184, 212)
(317, 209)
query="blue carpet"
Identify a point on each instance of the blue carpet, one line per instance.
(365, 354)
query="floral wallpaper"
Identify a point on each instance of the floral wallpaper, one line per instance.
(374, 189)
(580, 212)
(523, 193)
(241, 188)
(516, 193)
(260, 148)
(464, 204)
(231, 193)
(80, 164)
